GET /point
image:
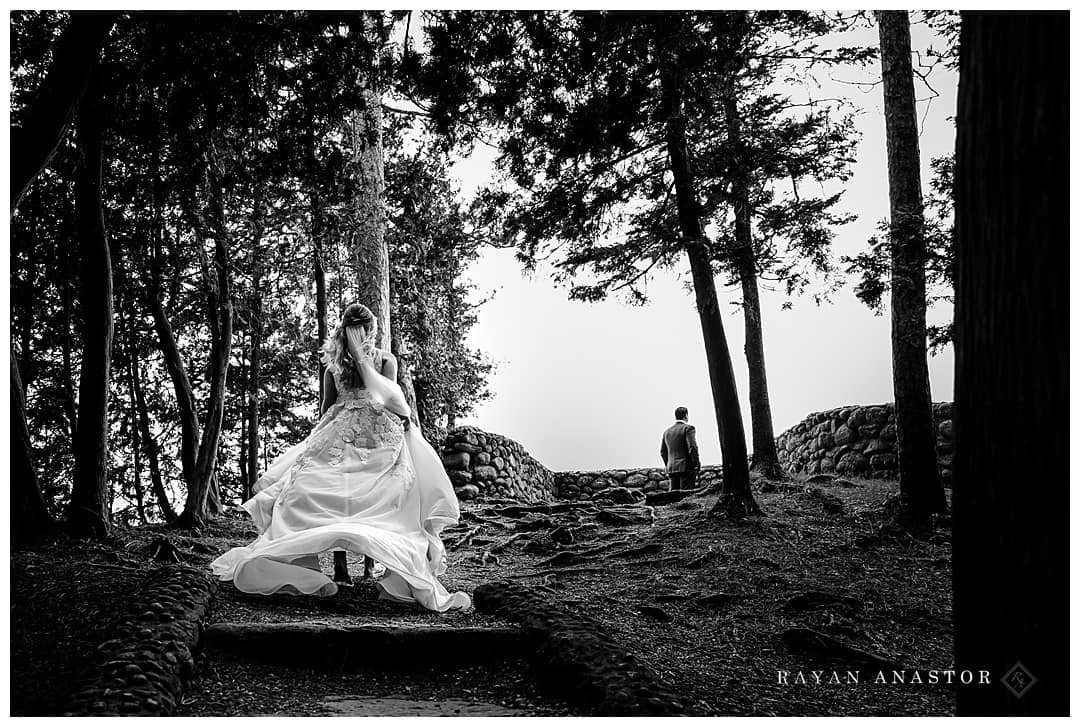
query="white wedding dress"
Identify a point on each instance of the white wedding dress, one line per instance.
(360, 482)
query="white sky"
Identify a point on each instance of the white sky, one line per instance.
(592, 385)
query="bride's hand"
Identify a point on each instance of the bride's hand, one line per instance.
(355, 338)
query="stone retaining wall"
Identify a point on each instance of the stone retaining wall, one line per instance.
(143, 668)
(857, 440)
(583, 485)
(480, 463)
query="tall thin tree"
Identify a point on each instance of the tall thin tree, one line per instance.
(921, 491)
(88, 514)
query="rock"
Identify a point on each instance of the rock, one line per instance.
(636, 480)
(458, 477)
(456, 461)
(945, 429)
(482, 458)
(485, 473)
(466, 447)
(883, 462)
(500, 463)
(655, 612)
(619, 496)
(877, 446)
(869, 431)
(467, 492)
(827, 464)
(877, 415)
(888, 433)
(852, 464)
(857, 419)
(843, 435)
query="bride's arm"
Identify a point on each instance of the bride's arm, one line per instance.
(329, 392)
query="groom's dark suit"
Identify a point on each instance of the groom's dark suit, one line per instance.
(678, 449)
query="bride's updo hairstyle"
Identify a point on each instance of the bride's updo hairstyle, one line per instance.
(335, 351)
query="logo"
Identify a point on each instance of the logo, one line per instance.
(1018, 680)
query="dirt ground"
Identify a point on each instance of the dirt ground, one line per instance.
(704, 603)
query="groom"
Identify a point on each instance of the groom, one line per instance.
(678, 449)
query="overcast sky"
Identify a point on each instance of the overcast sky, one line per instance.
(592, 385)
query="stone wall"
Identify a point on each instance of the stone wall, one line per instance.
(583, 485)
(480, 463)
(857, 440)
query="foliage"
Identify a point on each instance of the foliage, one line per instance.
(242, 109)
(872, 266)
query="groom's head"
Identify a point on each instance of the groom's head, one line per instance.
(680, 413)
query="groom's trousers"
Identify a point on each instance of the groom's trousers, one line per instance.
(683, 480)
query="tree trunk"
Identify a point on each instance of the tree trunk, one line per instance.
(198, 505)
(153, 459)
(318, 244)
(30, 519)
(1012, 485)
(75, 56)
(174, 364)
(370, 257)
(920, 483)
(736, 498)
(135, 433)
(88, 515)
(765, 460)
(255, 358)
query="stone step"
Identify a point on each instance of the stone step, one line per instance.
(403, 706)
(328, 645)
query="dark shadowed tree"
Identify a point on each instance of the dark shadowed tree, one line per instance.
(1012, 486)
(45, 122)
(88, 513)
(921, 491)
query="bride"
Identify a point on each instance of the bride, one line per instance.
(363, 481)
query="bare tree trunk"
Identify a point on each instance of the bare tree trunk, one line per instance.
(1012, 488)
(318, 243)
(174, 364)
(736, 498)
(88, 514)
(75, 56)
(198, 506)
(765, 461)
(255, 359)
(370, 257)
(135, 433)
(920, 483)
(157, 484)
(30, 519)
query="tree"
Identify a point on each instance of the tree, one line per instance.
(921, 491)
(616, 193)
(45, 122)
(88, 514)
(1012, 486)
(30, 519)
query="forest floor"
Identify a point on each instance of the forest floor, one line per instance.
(709, 606)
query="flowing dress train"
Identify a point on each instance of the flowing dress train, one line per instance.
(359, 482)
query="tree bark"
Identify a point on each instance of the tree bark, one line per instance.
(1012, 487)
(198, 504)
(153, 458)
(318, 245)
(370, 257)
(765, 460)
(174, 364)
(88, 514)
(30, 518)
(255, 359)
(921, 491)
(736, 498)
(49, 115)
